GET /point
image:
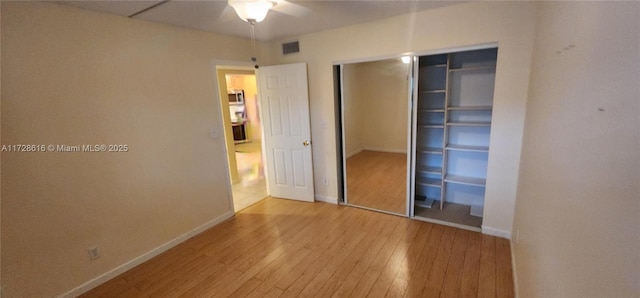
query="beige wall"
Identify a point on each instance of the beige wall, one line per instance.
(352, 110)
(511, 25)
(376, 106)
(75, 77)
(252, 106)
(578, 211)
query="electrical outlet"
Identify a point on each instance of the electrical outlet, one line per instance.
(94, 253)
(326, 181)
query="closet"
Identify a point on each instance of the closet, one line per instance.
(446, 102)
(452, 109)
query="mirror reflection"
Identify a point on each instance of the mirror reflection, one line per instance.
(376, 118)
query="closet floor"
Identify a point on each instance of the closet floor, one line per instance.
(454, 213)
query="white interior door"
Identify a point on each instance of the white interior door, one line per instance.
(284, 99)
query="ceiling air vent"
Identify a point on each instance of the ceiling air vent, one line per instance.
(290, 48)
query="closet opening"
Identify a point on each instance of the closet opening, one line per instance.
(452, 111)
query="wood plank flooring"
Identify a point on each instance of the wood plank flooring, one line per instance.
(294, 249)
(378, 180)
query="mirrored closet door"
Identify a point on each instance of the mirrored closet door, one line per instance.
(375, 114)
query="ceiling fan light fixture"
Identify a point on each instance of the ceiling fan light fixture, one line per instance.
(251, 11)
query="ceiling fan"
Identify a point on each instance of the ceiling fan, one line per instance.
(282, 6)
(250, 11)
(254, 11)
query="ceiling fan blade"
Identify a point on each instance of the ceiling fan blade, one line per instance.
(148, 8)
(227, 14)
(291, 8)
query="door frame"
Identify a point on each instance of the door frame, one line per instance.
(220, 126)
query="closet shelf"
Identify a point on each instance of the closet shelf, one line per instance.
(470, 108)
(469, 123)
(476, 210)
(432, 150)
(429, 170)
(472, 68)
(433, 91)
(429, 182)
(431, 110)
(467, 148)
(424, 203)
(432, 125)
(465, 180)
(436, 65)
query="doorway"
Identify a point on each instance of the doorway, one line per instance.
(243, 135)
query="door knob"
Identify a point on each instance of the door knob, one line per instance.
(306, 143)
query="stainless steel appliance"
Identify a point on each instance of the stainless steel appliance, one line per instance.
(236, 97)
(238, 115)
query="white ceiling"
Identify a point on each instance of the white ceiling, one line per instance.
(287, 19)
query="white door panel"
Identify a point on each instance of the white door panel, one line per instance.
(284, 97)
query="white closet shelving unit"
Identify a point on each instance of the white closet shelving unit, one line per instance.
(453, 114)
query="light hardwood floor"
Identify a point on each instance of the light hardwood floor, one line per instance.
(378, 180)
(286, 248)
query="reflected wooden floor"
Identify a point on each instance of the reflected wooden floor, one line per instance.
(291, 249)
(378, 180)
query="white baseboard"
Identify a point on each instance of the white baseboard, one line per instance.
(496, 232)
(326, 199)
(389, 150)
(377, 150)
(354, 153)
(89, 285)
